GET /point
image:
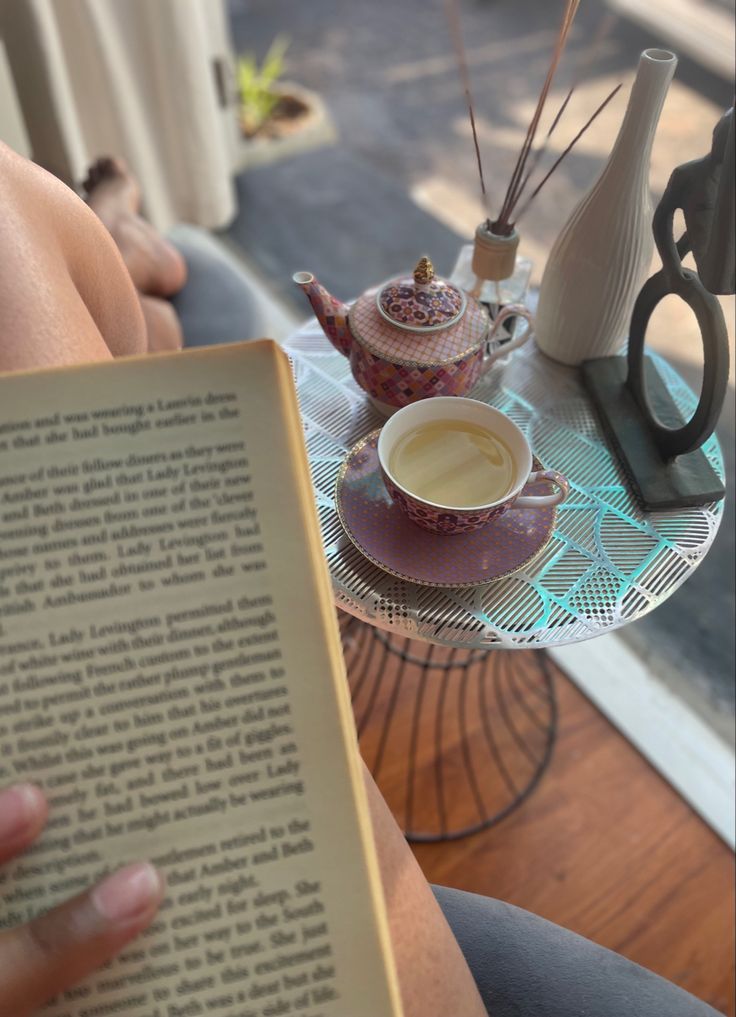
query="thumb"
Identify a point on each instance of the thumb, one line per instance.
(61, 947)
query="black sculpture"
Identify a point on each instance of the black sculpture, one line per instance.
(660, 452)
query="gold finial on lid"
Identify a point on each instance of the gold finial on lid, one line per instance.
(424, 272)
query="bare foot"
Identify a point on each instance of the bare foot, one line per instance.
(155, 266)
(110, 179)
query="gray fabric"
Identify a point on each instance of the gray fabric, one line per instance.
(217, 304)
(525, 966)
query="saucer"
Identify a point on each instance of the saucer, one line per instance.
(385, 535)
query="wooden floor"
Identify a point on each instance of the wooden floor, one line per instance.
(603, 846)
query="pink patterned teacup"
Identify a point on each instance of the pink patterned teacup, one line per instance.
(447, 519)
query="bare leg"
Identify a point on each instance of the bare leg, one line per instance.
(65, 294)
(435, 980)
(70, 299)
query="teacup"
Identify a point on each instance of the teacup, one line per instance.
(447, 519)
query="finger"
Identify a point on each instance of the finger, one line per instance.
(58, 949)
(23, 812)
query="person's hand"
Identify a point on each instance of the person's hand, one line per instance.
(61, 947)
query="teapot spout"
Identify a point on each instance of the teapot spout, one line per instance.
(331, 313)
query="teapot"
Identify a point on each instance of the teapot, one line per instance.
(413, 337)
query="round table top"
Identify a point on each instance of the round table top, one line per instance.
(607, 564)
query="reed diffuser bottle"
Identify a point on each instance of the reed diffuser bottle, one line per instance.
(600, 258)
(492, 271)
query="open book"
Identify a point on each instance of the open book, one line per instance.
(171, 674)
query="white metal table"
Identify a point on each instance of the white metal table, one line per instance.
(607, 564)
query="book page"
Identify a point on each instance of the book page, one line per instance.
(170, 673)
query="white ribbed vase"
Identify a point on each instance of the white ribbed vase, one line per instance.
(600, 259)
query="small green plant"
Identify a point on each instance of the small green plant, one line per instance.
(256, 85)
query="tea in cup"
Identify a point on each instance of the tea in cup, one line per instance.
(453, 464)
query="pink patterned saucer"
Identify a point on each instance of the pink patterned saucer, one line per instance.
(381, 531)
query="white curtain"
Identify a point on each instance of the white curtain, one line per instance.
(133, 78)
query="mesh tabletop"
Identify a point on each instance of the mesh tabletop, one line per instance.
(607, 564)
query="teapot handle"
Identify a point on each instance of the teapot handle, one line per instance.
(506, 312)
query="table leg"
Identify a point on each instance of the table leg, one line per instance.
(455, 739)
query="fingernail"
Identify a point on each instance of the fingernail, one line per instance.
(128, 893)
(21, 809)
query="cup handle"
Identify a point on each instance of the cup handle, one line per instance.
(519, 311)
(540, 500)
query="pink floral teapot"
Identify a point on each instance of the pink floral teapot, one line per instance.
(414, 337)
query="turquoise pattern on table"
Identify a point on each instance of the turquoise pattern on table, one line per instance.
(607, 564)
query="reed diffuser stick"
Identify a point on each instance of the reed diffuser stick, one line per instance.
(503, 225)
(536, 158)
(591, 52)
(453, 16)
(557, 161)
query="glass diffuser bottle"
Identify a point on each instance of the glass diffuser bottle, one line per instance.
(491, 271)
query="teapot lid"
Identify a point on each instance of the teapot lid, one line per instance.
(422, 303)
